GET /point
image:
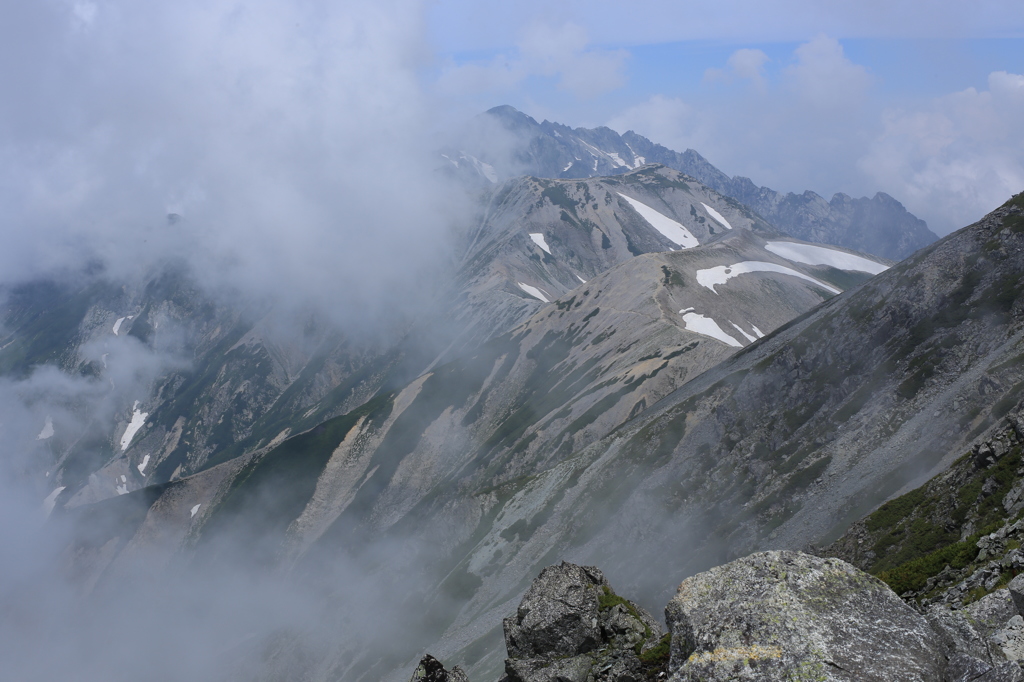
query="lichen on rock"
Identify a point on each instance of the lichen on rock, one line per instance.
(791, 616)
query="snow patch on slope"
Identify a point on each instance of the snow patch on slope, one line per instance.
(538, 239)
(821, 255)
(195, 510)
(747, 336)
(145, 463)
(716, 215)
(533, 291)
(117, 325)
(671, 229)
(137, 422)
(47, 431)
(705, 326)
(721, 274)
(51, 500)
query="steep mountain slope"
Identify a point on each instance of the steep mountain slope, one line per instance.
(783, 444)
(233, 376)
(539, 239)
(461, 467)
(879, 225)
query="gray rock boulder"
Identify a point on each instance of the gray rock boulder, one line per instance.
(572, 627)
(991, 613)
(788, 615)
(558, 616)
(1016, 589)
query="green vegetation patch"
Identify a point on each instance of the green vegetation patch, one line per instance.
(671, 277)
(559, 196)
(915, 536)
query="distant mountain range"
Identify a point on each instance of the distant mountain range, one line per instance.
(504, 142)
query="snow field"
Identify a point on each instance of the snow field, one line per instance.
(721, 274)
(614, 156)
(538, 239)
(533, 291)
(137, 422)
(747, 336)
(671, 229)
(821, 255)
(716, 215)
(51, 500)
(705, 326)
(47, 431)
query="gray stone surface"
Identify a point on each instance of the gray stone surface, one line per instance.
(571, 627)
(991, 613)
(558, 615)
(788, 615)
(1016, 590)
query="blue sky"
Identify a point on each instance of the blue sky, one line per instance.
(923, 100)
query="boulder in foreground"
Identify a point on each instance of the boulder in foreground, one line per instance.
(787, 615)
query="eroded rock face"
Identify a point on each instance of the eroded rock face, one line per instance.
(571, 627)
(789, 615)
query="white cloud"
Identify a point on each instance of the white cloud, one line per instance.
(958, 157)
(560, 52)
(823, 77)
(666, 120)
(745, 63)
(84, 12)
(802, 129)
(292, 137)
(819, 126)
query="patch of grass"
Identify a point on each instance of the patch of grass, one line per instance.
(913, 574)
(659, 654)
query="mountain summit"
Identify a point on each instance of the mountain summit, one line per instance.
(504, 142)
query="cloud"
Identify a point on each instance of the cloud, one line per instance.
(824, 78)
(669, 121)
(745, 64)
(799, 128)
(957, 157)
(293, 138)
(479, 25)
(818, 125)
(557, 52)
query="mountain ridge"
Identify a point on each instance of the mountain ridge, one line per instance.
(879, 225)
